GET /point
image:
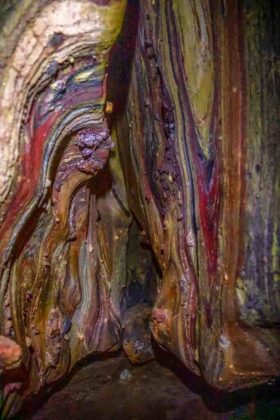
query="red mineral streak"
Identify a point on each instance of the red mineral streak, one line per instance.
(209, 192)
(31, 159)
(209, 217)
(31, 162)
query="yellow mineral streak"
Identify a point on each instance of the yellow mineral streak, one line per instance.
(195, 32)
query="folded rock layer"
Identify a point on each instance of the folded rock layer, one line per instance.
(140, 196)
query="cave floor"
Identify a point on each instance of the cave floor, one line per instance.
(112, 389)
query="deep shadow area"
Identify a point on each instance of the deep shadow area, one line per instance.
(257, 398)
(34, 404)
(121, 59)
(108, 387)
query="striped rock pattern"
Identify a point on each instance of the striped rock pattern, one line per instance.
(178, 223)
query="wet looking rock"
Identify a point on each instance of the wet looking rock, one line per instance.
(138, 187)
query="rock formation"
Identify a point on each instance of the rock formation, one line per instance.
(139, 184)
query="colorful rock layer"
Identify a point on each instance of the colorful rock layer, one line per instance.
(179, 223)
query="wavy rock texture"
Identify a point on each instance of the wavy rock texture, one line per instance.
(202, 180)
(58, 230)
(178, 225)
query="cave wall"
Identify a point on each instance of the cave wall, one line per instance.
(181, 214)
(199, 142)
(63, 231)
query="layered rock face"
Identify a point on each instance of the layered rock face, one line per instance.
(201, 126)
(141, 197)
(58, 259)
